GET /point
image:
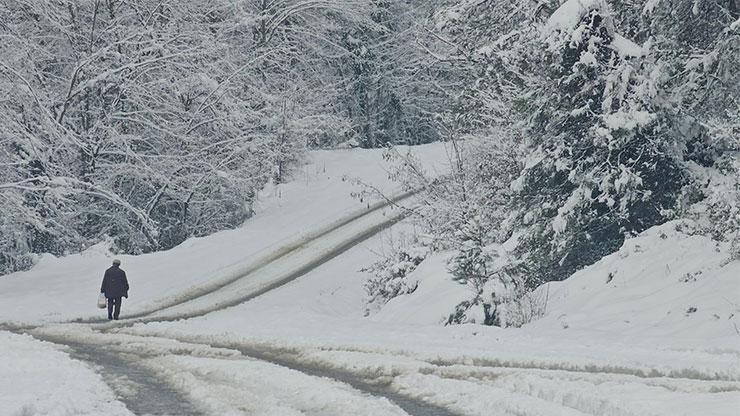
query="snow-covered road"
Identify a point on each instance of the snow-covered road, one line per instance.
(285, 264)
(232, 377)
(193, 367)
(136, 374)
(277, 326)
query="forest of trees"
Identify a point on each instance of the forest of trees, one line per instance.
(150, 121)
(572, 125)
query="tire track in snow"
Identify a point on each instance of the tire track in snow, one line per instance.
(594, 368)
(487, 374)
(587, 393)
(254, 267)
(305, 268)
(283, 358)
(142, 391)
(558, 366)
(559, 391)
(409, 405)
(526, 391)
(113, 360)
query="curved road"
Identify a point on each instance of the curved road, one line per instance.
(153, 396)
(509, 387)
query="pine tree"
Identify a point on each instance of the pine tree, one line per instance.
(603, 163)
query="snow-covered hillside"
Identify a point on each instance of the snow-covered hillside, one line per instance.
(665, 286)
(320, 194)
(668, 285)
(580, 358)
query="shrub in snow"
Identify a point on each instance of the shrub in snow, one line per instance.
(474, 195)
(714, 201)
(493, 277)
(502, 301)
(389, 275)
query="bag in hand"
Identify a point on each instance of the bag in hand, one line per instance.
(102, 301)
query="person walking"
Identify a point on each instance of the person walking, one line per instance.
(115, 287)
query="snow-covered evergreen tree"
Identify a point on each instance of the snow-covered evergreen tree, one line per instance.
(603, 162)
(615, 116)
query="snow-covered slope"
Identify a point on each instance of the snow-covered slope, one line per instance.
(663, 286)
(319, 194)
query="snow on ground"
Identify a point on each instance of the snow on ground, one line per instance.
(319, 194)
(523, 392)
(612, 368)
(38, 379)
(127, 344)
(320, 316)
(255, 388)
(650, 330)
(433, 300)
(290, 264)
(663, 287)
(224, 382)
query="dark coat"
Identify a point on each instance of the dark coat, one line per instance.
(114, 284)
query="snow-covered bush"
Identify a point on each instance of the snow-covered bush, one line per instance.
(495, 279)
(389, 274)
(470, 202)
(523, 307)
(713, 201)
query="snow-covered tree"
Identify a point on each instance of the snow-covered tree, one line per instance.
(152, 121)
(391, 95)
(615, 116)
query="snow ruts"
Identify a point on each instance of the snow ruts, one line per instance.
(141, 390)
(443, 388)
(225, 292)
(118, 358)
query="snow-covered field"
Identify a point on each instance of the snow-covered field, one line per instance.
(650, 330)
